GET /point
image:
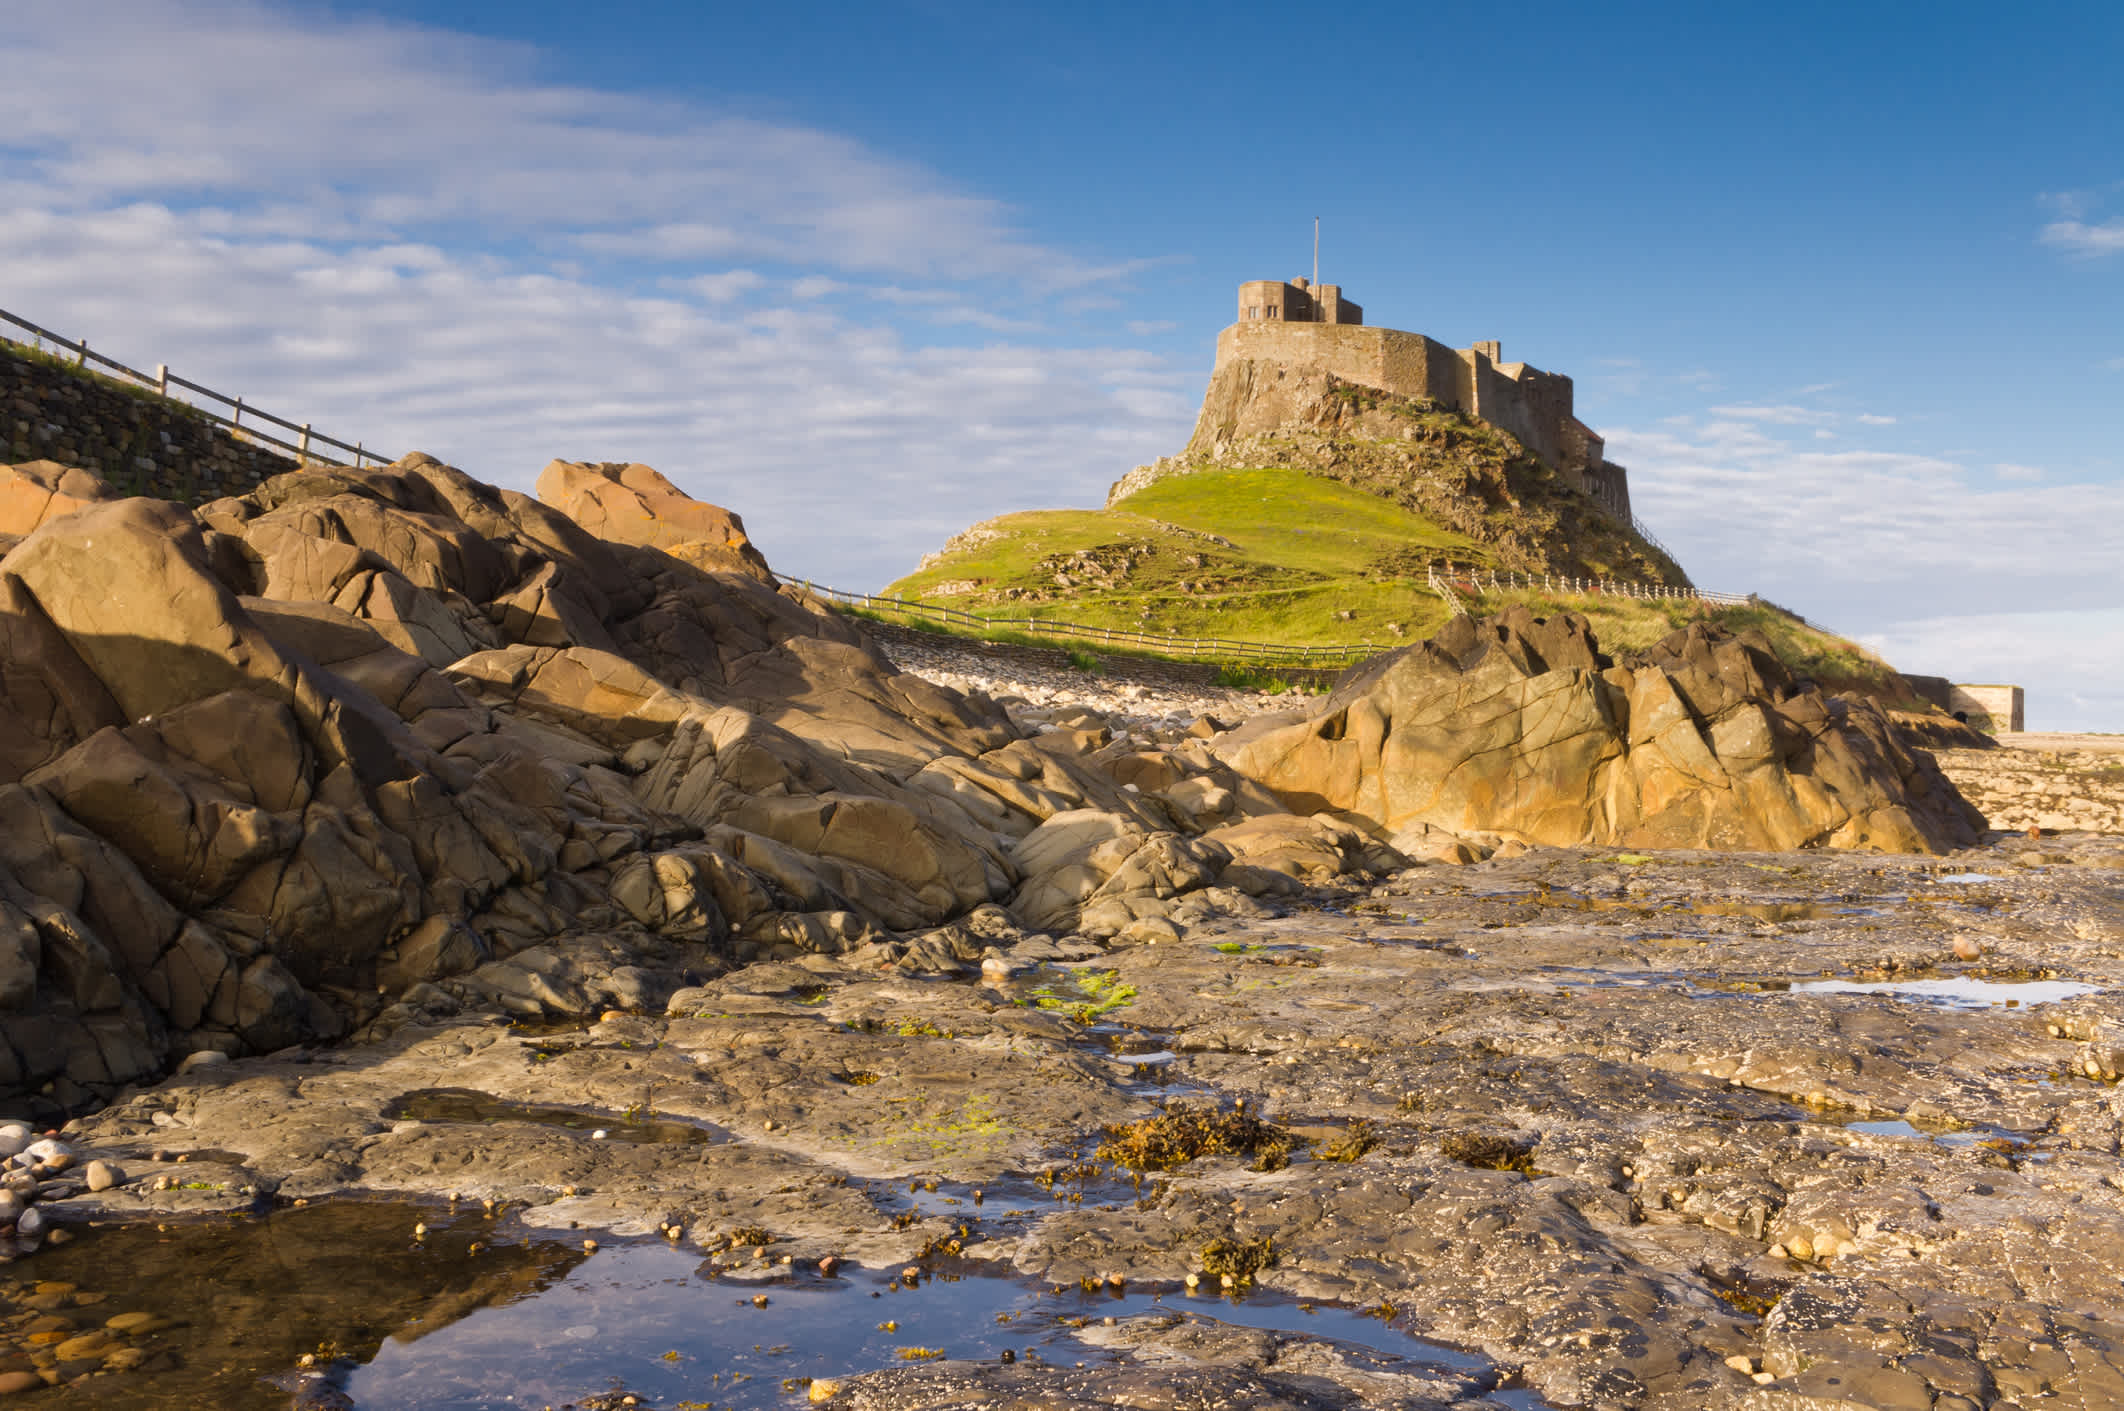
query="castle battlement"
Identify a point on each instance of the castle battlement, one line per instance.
(1294, 328)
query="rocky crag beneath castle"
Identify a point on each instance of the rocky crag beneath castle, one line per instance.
(1487, 448)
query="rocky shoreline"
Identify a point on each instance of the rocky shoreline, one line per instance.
(427, 924)
(1621, 1123)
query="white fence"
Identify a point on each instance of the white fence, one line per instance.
(162, 380)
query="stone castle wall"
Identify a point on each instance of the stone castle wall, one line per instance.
(139, 443)
(1533, 406)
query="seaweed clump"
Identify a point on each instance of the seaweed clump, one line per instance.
(1184, 1132)
(1490, 1151)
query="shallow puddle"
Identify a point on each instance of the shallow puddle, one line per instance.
(467, 1105)
(643, 1317)
(1957, 992)
(473, 1315)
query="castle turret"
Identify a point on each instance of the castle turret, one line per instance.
(1298, 301)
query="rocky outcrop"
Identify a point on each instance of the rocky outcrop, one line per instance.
(1455, 470)
(1519, 726)
(633, 504)
(364, 744)
(2051, 783)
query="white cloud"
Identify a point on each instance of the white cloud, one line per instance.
(2084, 239)
(1779, 415)
(2009, 470)
(2070, 663)
(1875, 419)
(723, 287)
(1146, 328)
(400, 235)
(1859, 536)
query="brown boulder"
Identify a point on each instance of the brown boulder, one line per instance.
(633, 504)
(1519, 726)
(37, 491)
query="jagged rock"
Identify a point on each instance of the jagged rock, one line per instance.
(633, 504)
(366, 747)
(1520, 726)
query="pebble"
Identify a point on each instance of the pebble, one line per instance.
(101, 1175)
(12, 1382)
(139, 1321)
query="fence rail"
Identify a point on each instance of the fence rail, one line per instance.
(162, 380)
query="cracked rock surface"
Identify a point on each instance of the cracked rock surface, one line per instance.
(1597, 1128)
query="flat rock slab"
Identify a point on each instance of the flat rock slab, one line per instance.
(1594, 1123)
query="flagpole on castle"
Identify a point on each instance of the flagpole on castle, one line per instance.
(1316, 257)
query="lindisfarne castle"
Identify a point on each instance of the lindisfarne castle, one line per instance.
(1295, 333)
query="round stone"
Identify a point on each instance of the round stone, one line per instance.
(12, 1382)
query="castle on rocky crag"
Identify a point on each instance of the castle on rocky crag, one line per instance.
(1300, 329)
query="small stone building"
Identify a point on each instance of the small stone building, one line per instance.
(1999, 709)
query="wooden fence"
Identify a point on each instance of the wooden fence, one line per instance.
(162, 380)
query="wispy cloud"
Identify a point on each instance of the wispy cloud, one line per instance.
(408, 237)
(1146, 328)
(2071, 663)
(2083, 239)
(2010, 470)
(1779, 415)
(1874, 419)
(1855, 534)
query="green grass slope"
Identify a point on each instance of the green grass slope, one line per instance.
(1285, 555)
(1262, 555)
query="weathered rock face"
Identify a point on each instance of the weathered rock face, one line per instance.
(36, 491)
(633, 504)
(1519, 726)
(268, 767)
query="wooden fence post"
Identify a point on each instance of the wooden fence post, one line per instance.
(162, 379)
(304, 451)
(81, 358)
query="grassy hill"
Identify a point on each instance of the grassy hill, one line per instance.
(1269, 555)
(1286, 555)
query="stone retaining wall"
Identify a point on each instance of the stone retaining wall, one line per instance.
(140, 443)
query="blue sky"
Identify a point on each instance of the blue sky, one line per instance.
(1844, 285)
